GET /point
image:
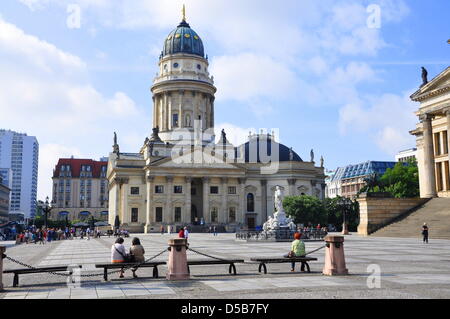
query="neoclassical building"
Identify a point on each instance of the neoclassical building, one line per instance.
(433, 135)
(181, 176)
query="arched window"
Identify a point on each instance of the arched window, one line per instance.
(188, 120)
(250, 202)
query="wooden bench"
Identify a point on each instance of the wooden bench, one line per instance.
(264, 261)
(231, 262)
(36, 270)
(153, 264)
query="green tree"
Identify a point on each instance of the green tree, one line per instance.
(305, 209)
(402, 181)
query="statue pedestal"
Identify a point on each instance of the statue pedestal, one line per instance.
(177, 268)
(334, 256)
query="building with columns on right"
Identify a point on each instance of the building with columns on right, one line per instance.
(433, 135)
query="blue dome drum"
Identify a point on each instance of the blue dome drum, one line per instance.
(183, 40)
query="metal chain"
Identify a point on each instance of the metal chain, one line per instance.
(86, 275)
(310, 252)
(31, 267)
(206, 255)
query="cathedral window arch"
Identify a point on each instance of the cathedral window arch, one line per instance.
(250, 202)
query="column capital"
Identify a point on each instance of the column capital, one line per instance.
(291, 181)
(224, 180)
(425, 117)
(263, 182)
(446, 111)
(188, 179)
(206, 179)
(150, 178)
(242, 180)
(169, 179)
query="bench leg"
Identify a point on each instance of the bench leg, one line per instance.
(307, 266)
(263, 265)
(155, 272)
(232, 267)
(105, 274)
(16, 280)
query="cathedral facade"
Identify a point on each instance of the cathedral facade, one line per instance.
(181, 176)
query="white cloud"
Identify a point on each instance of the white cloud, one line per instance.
(47, 93)
(387, 119)
(247, 75)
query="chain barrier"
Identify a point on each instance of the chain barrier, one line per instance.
(86, 275)
(204, 254)
(313, 251)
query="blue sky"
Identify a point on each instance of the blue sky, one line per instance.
(315, 70)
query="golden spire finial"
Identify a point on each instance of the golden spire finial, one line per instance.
(183, 11)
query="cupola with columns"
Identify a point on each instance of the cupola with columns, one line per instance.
(183, 91)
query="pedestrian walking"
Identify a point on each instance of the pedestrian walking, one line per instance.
(215, 231)
(162, 230)
(186, 233)
(425, 233)
(181, 233)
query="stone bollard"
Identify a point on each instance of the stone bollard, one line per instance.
(2, 251)
(334, 256)
(177, 267)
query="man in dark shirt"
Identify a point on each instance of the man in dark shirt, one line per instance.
(425, 233)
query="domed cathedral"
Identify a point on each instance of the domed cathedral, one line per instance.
(181, 176)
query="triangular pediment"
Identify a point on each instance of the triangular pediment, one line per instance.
(196, 159)
(438, 84)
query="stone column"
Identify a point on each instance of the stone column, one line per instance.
(447, 114)
(428, 163)
(187, 212)
(206, 212)
(149, 207)
(291, 182)
(180, 110)
(168, 216)
(155, 120)
(264, 200)
(169, 106)
(224, 207)
(240, 218)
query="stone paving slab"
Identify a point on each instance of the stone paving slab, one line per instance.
(410, 269)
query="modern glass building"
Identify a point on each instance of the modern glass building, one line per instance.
(19, 154)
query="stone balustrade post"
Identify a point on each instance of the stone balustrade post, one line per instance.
(334, 256)
(177, 267)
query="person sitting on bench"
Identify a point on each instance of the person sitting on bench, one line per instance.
(118, 253)
(297, 250)
(138, 251)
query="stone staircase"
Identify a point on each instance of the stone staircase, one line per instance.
(436, 213)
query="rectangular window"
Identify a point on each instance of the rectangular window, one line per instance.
(444, 141)
(175, 120)
(159, 189)
(232, 215)
(159, 214)
(134, 215)
(134, 190)
(231, 189)
(177, 214)
(437, 144)
(214, 190)
(214, 215)
(177, 189)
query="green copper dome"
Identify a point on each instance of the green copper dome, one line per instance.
(183, 40)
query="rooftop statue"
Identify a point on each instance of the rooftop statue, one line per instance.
(424, 76)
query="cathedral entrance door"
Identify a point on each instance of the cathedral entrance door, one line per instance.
(194, 215)
(250, 222)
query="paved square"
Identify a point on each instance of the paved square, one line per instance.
(409, 269)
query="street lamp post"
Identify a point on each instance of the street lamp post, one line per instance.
(47, 208)
(343, 203)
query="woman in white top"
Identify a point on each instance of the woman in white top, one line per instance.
(118, 253)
